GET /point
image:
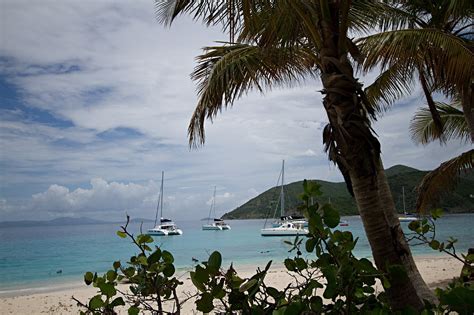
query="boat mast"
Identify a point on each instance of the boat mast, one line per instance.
(160, 200)
(282, 194)
(403, 194)
(161, 194)
(213, 204)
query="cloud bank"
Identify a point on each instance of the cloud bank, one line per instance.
(95, 102)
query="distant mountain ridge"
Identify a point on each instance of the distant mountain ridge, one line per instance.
(53, 222)
(63, 221)
(398, 176)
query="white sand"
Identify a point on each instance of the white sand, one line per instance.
(437, 271)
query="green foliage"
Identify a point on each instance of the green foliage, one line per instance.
(345, 282)
(459, 295)
(149, 273)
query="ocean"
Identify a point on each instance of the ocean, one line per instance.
(48, 256)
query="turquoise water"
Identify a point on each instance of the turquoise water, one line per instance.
(30, 257)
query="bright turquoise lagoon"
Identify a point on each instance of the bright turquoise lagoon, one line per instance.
(30, 257)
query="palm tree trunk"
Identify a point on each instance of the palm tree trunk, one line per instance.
(391, 216)
(386, 247)
(467, 100)
(357, 153)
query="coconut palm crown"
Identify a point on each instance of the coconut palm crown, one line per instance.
(273, 43)
(430, 41)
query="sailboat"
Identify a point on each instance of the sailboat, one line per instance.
(406, 217)
(287, 226)
(166, 226)
(217, 224)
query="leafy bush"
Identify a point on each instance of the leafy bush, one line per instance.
(334, 282)
(150, 275)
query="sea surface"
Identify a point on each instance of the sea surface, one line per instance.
(38, 257)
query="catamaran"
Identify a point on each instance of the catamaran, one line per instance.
(286, 226)
(216, 224)
(166, 226)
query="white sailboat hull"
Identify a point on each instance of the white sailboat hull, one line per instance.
(278, 231)
(211, 227)
(407, 218)
(163, 232)
(285, 229)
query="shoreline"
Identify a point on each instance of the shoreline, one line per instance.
(436, 270)
(76, 282)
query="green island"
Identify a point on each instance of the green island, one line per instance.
(399, 176)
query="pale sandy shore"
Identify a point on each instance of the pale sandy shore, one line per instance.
(437, 271)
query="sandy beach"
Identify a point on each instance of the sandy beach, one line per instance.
(437, 271)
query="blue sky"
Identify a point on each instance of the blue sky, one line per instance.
(95, 97)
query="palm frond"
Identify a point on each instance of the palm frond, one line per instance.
(447, 54)
(423, 130)
(225, 73)
(442, 179)
(366, 15)
(228, 13)
(281, 23)
(389, 86)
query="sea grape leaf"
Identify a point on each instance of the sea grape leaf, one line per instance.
(316, 304)
(201, 274)
(169, 270)
(107, 289)
(111, 275)
(154, 257)
(274, 293)
(96, 302)
(133, 310)
(247, 285)
(167, 257)
(215, 260)
(459, 299)
(301, 263)
(116, 265)
(310, 244)
(290, 264)
(198, 284)
(330, 216)
(142, 260)
(88, 277)
(204, 304)
(118, 301)
(434, 244)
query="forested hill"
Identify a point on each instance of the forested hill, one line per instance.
(398, 176)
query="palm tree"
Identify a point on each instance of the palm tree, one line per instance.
(428, 39)
(446, 176)
(282, 42)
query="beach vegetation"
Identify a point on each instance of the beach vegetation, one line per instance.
(150, 278)
(326, 276)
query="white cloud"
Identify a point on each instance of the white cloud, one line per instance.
(102, 196)
(99, 66)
